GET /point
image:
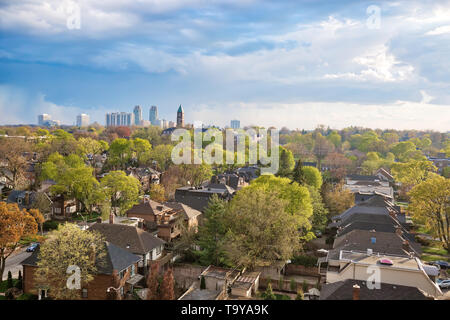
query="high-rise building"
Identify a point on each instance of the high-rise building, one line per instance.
(82, 120)
(180, 117)
(137, 111)
(153, 115)
(42, 118)
(171, 124)
(119, 119)
(235, 124)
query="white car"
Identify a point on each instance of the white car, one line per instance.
(444, 284)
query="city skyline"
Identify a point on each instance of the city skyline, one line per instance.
(288, 64)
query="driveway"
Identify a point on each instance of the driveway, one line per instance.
(13, 263)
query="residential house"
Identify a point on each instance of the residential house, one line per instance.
(158, 218)
(198, 197)
(441, 161)
(24, 199)
(230, 179)
(392, 269)
(135, 240)
(191, 216)
(117, 262)
(145, 175)
(357, 290)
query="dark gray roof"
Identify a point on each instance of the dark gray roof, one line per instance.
(115, 259)
(14, 195)
(362, 177)
(343, 290)
(130, 238)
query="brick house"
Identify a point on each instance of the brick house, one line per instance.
(135, 240)
(158, 217)
(117, 261)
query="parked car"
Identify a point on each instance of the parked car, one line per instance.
(441, 264)
(444, 284)
(33, 247)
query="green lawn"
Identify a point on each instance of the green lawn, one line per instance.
(434, 252)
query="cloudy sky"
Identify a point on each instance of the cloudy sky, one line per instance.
(378, 64)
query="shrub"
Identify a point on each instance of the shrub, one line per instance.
(269, 295)
(293, 285)
(305, 286)
(300, 295)
(50, 225)
(202, 283)
(27, 296)
(10, 283)
(304, 260)
(19, 281)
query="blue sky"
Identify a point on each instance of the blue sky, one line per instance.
(283, 63)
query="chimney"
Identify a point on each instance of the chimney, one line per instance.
(111, 218)
(27, 198)
(355, 292)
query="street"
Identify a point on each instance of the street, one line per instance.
(13, 263)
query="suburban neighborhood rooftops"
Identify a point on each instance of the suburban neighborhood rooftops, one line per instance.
(343, 290)
(130, 238)
(185, 209)
(359, 257)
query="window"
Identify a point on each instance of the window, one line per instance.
(84, 293)
(121, 273)
(133, 270)
(121, 291)
(158, 250)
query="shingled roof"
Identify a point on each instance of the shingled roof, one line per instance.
(131, 238)
(188, 212)
(116, 258)
(343, 290)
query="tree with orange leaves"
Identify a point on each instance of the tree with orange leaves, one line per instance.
(39, 218)
(167, 286)
(14, 225)
(153, 282)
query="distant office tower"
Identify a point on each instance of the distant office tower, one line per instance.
(153, 115)
(119, 119)
(137, 115)
(164, 123)
(180, 117)
(235, 124)
(42, 118)
(82, 120)
(171, 124)
(145, 123)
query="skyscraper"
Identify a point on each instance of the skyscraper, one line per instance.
(82, 120)
(119, 119)
(42, 118)
(235, 124)
(137, 115)
(153, 115)
(180, 117)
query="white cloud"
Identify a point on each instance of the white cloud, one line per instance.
(439, 31)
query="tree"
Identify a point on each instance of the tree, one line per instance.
(322, 147)
(287, 162)
(142, 148)
(261, 230)
(430, 204)
(162, 154)
(202, 283)
(299, 175)
(211, 233)
(153, 282)
(268, 294)
(168, 286)
(15, 224)
(121, 190)
(12, 160)
(39, 218)
(157, 192)
(320, 213)
(74, 179)
(300, 295)
(120, 153)
(337, 199)
(297, 197)
(412, 172)
(89, 146)
(9, 283)
(69, 246)
(312, 177)
(19, 284)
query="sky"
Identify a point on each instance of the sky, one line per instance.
(293, 63)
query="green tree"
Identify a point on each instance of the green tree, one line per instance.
(320, 213)
(9, 283)
(299, 175)
(142, 149)
(120, 153)
(202, 283)
(157, 192)
(261, 231)
(268, 294)
(121, 190)
(287, 162)
(69, 246)
(430, 204)
(412, 172)
(300, 295)
(162, 154)
(211, 234)
(337, 199)
(312, 177)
